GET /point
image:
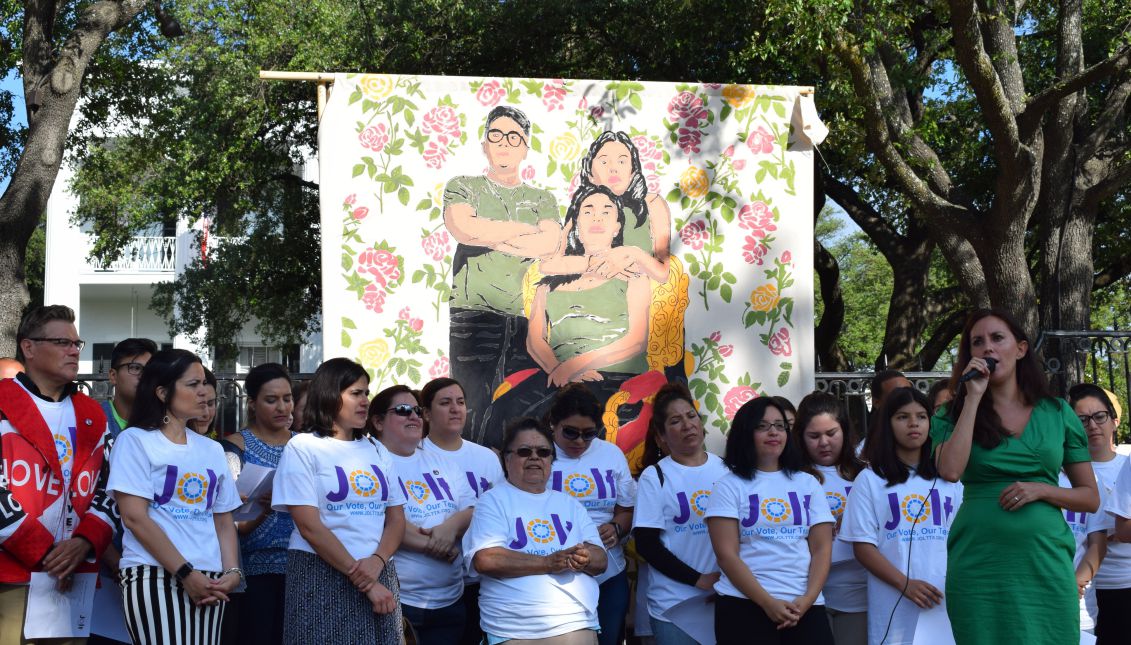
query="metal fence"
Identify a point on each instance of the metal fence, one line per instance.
(1099, 357)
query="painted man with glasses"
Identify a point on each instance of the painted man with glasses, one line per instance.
(501, 225)
(55, 516)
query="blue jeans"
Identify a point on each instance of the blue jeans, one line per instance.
(441, 626)
(667, 633)
(611, 609)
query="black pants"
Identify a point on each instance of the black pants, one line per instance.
(485, 348)
(739, 621)
(472, 634)
(1113, 624)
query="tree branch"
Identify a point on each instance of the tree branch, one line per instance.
(1030, 117)
(1115, 179)
(294, 180)
(1118, 270)
(939, 341)
(885, 149)
(885, 237)
(1111, 116)
(970, 52)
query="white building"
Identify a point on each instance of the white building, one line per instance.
(112, 303)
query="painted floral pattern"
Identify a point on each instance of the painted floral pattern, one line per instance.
(719, 155)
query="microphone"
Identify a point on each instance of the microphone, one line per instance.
(991, 364)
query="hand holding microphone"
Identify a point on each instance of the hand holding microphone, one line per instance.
(975, 372)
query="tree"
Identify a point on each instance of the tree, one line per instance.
(57, 44)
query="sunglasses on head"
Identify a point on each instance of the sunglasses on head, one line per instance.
(405, 409)
(525, 452)
(571, 433)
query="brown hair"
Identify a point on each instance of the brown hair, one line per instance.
(380, 404)
(324, 400)
(812, 406)
(665, 396)
(1031, 381)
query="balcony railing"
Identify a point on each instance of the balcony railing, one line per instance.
(146, 255)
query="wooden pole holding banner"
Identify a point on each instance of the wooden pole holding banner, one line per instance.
(326, 79)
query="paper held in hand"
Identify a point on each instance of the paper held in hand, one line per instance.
(254, 483)
(51, 614)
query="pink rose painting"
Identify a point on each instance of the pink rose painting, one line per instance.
(695, 234)
(437, 245)
(760, 141)
(757, 218)
(380, 264)
(734, 399)
(552, 94)
(780, 344)
(490, 93)
(374, 298)
(444, 121)
(441, 368)
(753, 251)
(436, 153)
(374, 137)
(359, 213)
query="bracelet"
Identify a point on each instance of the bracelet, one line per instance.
(236, 570)
(618, 530)
(383, 562)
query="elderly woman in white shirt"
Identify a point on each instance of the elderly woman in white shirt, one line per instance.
(536, 549)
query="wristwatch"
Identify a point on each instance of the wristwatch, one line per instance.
(183, 572)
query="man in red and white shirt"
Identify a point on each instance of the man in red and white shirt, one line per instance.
(55, 516)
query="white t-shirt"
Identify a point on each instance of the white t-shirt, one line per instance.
(481, 468)
(1115, 570)
(434, 490)
(480, 465)
(187, 483)
(847, 587)
(676, 507)
(885, 516)
(59, 417)
(1083, 525)
(600, 480)
(534, 606)
(347, 481)
(774, 514)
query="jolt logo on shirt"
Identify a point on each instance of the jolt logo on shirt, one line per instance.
(478, 485)
(66, 454)
(363, 483)
(529, 535)
(189, 487)
(696, 502)
(778, 511)
(1078, 522)
(837, 502)
(917, 509)
(587, 486)
(431, 488)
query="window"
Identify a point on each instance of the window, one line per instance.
(250, 356)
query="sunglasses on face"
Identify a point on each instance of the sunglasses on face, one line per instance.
(406, 409)
(525, 452)
(573, 434)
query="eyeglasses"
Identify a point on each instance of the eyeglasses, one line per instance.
(573, 434)
(61, 342)
(1098, 418)
(132, 368)
(776, 426)
(514, 139)
(526, 451)
(405, 409)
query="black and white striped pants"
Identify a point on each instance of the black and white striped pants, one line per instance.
(160, 612)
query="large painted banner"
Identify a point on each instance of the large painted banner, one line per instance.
(522, 234)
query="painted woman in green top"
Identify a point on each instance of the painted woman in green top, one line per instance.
(613, 162)
(586, 326)
(1009, 572)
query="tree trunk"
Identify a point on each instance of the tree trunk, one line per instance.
(52, 74)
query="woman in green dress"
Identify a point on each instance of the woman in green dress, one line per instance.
(1009, 573)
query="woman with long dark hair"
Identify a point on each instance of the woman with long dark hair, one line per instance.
(179, 552)
(671, 498)
(828, 451)
(613, 163)
(898, 517)
(1010, 577)
(772, 534)
(340, 488)
(264, 539)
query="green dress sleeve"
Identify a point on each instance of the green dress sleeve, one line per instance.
(941, 427)
(1075, 439)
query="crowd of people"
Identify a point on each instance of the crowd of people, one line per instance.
(992, 498)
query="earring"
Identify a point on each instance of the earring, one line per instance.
(165, 420)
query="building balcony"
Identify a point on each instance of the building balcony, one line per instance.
(148, 254)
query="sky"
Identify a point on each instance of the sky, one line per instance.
(12, 84)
